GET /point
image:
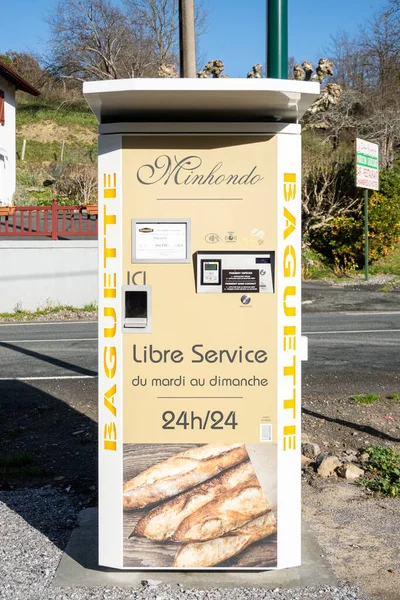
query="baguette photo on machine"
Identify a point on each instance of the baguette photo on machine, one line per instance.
(180, 473)
(213, 552)
(161, 522)
(227, 512)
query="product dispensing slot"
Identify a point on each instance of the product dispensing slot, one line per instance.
(136, 309)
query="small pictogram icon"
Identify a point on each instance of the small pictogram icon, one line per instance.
(212, 238)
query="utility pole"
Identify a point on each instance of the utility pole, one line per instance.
(277, 39)
(187, 38)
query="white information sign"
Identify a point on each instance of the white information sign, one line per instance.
(161, 241)
(367, 165)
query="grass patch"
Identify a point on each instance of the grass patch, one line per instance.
(32, 111)
(383, 468)
(29, 315)
(314, 266)
(389, 264)
(390, 285)
(92, 307)
(50, 152)
(39, 151)
(365, 398)
(394, 396)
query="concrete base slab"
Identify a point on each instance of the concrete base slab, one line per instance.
(79, 567)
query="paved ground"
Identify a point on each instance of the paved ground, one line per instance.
(79, 565)
(353, 348)
(48, 350)
(350, 295)
(352, 353)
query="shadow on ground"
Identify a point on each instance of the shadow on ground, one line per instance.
(353, 426)
(49, 438)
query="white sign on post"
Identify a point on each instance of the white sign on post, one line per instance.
(367, 165)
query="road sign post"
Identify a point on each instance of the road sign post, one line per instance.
(366, 234)
(367, 177)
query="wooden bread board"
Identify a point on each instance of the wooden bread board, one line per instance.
(141, 552)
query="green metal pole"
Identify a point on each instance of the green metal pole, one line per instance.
(277, 39)
(366, 234)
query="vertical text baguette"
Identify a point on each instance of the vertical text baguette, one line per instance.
(229, 511)
(161, 523)
(213, 552)
(180, 472)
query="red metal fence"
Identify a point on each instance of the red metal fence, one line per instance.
(53, 221)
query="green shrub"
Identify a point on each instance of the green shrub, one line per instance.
(313, 265)
(342, 240)
(21, 196)
(383, 467)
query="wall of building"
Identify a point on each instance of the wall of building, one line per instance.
(7, 144)
(38, 273)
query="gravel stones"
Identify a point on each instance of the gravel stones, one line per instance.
(34, 528)
(350, 472)
(35, 525)
(310, 450)
(328, 466)
(305, 461)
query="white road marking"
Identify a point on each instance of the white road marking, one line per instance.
(41, 341)
(349, 313)
(45, 378)
(46, 323)
(341, 331)
(350, 331)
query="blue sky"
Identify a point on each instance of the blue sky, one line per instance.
(236, 32)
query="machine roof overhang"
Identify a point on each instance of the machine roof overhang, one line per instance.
(211, 100)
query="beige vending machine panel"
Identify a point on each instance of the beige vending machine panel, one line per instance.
(202, 383)
(199, 323)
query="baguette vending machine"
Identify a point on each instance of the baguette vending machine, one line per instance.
(199, 322)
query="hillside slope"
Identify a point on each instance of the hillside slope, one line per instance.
(60, 152)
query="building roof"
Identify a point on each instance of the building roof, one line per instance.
(125, 100)
(19, 82)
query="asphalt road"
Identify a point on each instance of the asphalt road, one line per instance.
(352, 353)
(349, 353)
(55, 350)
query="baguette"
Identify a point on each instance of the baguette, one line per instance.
(229, 511)
(180, 472)
(161, 523)
(210, 553)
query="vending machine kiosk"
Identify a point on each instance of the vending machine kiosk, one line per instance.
(200, 342)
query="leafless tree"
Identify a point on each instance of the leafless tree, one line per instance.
(367, 67)
(102, 39)
(160, 21)
(92, 39)
(325, 193)
(291, 64)
(78, 183)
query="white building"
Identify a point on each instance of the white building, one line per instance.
(10, 82)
